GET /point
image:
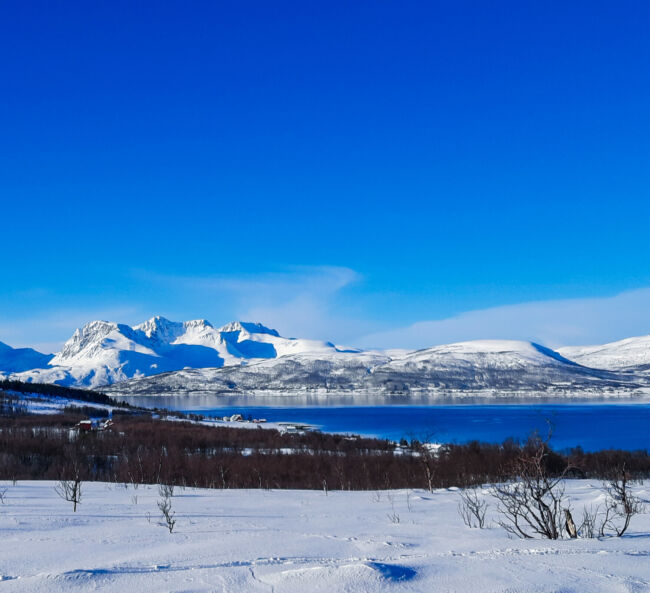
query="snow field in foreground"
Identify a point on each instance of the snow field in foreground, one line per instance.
(302, 541)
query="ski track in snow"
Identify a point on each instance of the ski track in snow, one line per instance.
(255, 540)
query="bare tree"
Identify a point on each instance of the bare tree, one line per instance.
(165, 507)
(427, 451)
(472, 508)
(69, 487)
(532, 504)
(620, 504)
(70, 490)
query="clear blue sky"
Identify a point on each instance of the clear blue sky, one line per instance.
(343, 168)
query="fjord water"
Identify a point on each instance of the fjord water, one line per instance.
(592, 426)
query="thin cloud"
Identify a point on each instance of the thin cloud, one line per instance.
(301, 301)
(563, 322)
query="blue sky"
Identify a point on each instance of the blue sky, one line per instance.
(339, 170)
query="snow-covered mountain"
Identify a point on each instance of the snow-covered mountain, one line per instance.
(164, 357)
(631, 354)
(16, 360)
(487, 368)
(102, 353)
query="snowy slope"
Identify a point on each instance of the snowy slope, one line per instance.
(631, 354)
(16, 360)
(482, 368)
(298, 542)
(101, 352)
(286, 375)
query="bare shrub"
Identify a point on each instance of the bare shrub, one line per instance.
(588, 525)
(472, 508)
(166, 490)
(393, 516)
(620, 504)
(3, 492)
(165, 507)
(531, 505)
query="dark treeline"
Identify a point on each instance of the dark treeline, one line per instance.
(85, 395)
(143, 450)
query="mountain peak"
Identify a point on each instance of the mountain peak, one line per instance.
(247, 327)
(197, 324)
(160, 328)
(91, 333)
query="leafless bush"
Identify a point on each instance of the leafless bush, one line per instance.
(166, 490)
(472, 508)
(620, 504)
(533, 503)
(588, 526)
(393, 516)
(165, 507)
(3, 492)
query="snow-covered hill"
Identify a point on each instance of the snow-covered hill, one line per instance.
(16, 360)
(631, 354)
(101, 352)
(487, 368)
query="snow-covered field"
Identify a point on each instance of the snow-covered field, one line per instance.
(302, 541)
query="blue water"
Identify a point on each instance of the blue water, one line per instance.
(592, 426)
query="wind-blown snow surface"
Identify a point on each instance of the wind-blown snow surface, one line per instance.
(296, 541)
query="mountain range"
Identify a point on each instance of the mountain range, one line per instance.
(164, 357)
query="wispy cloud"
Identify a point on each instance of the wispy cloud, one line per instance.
(301, 301)
(46, 332)
(554, 323)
